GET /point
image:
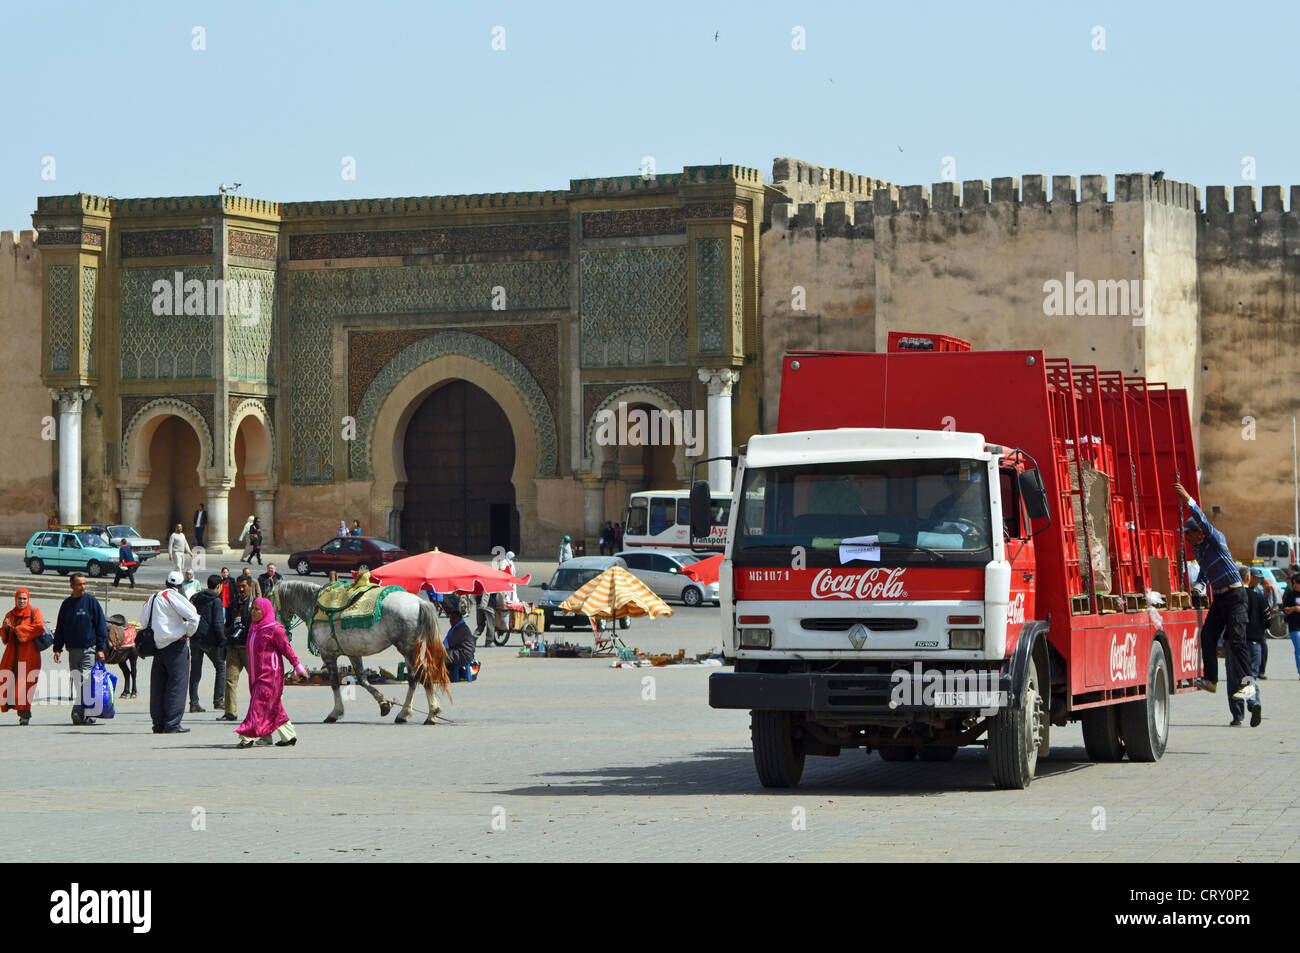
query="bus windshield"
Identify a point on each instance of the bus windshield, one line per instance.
(901, 512)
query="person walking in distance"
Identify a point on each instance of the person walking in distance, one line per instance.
(227, 592)
(566, 551)
(1271, 609)
(200, 523)
(342, 530)
(356, 527)
(1291, 610)
(237, 644)
(1229, 606)
(83, 630)
(243, 538)
(255, 543)
(178, 547)
(618, 536)
(267, 721)
(126, 563)
(173, 620)
(21, 666)
(209, 639)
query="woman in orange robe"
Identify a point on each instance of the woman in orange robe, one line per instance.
(21, 665)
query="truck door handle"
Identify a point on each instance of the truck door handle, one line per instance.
(1027, 576)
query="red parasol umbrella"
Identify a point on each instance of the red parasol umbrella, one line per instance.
(443, 573)
(706, 570)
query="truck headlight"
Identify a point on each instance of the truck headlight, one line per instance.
(755, 638)
(966, 638)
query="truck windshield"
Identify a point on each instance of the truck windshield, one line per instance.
(902, 512)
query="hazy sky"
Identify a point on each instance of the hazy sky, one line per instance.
(113, 98)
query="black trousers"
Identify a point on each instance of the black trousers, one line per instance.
(128, 571)
(168, 680)
(1226, 618)
(216, 654)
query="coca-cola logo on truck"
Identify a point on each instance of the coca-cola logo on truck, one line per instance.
(1123, 657)
(868, 584)
(1190, 652)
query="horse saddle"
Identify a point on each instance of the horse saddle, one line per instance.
(351, 606)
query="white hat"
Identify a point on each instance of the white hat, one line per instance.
(510, 555)
(174, 578)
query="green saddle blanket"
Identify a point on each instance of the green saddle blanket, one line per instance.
(340, 604)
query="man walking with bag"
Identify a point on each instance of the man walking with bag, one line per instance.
(209, 639)
(237, 645)
(173, 620)
(83, 629)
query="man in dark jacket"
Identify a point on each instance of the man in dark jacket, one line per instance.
(237, 644)
(269, 580)
(83, 630)
(1256, 633)
(126, 563)
(200, 522)
(459, 640)
(209, 639)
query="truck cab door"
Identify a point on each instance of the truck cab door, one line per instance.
(1020, 553)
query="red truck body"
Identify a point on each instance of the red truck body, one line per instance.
(1137, 433)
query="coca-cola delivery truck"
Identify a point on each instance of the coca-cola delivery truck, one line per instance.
(942, 547)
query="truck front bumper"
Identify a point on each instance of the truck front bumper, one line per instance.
(863, 694)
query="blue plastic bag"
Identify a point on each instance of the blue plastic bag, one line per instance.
(101, 692)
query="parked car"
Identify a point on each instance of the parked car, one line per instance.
(65, 551)
(144, 548)
(663, 570)
(569, 578)
(346, 554)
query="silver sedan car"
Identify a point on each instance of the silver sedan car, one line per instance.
(663, 570)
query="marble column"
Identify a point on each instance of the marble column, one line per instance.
(264, 510)
(720, 381)
(218, 534)
(131, 497)
(69, 437)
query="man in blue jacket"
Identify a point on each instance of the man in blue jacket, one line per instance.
(83, 630)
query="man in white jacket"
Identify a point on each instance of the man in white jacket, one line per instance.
(178, 547)
(173, 619)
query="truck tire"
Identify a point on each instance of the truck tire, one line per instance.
(778, 755)
(1144, 725)
(937, 754)
(1015, 735)
(897, 753)
(1101, 734)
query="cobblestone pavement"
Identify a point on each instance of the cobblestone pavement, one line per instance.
(561, 759)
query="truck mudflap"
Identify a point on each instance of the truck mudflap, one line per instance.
(855, 694)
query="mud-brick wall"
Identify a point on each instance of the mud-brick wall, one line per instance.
(27, 485)
(1249, 266)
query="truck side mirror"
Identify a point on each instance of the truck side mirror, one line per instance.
(701, 510)
(1034, 494)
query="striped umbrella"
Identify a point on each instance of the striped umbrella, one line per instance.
(614, 594)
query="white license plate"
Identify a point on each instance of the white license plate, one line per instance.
(970, 699)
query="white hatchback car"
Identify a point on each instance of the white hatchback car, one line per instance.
(664, 571)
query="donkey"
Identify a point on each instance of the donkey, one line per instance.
(408, 623)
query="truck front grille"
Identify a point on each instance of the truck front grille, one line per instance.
(843, 625)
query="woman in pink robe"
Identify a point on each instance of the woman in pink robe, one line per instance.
(267, 642)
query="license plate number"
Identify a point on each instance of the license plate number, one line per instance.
(970, 699)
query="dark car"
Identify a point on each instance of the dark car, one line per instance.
(346, 554)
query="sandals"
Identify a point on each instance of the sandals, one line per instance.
(245, 743)
(286, 744)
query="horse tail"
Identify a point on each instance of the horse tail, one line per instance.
(430, 654)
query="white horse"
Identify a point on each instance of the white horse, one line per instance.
(408, 623)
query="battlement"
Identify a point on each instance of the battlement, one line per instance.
(856, 219)
(1251, 227)
(21, 243)
(690, 175)
(426, 203)
(807, 182)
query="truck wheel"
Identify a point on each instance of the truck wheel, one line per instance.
(1101, 734)
(897, 753)
(1015, 735)
(937, 754)
(778, 756)
(1144, 725)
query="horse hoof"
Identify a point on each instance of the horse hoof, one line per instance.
(384, 709)
(330, 719)
(430, 721)
(399, 720)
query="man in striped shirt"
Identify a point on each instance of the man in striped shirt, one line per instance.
(1228, 609)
